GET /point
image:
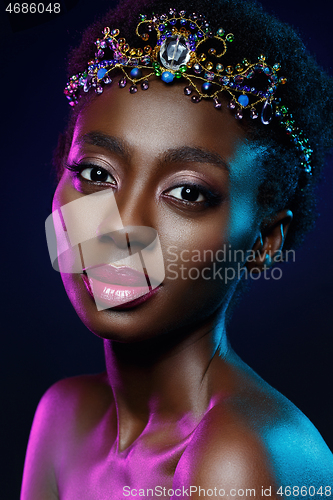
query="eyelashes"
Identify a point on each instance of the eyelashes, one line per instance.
(191, 193)
(187, 194)
(91, 173)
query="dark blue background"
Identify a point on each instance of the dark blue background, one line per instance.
(283, 329)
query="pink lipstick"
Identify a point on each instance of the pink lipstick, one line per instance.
(117, 287)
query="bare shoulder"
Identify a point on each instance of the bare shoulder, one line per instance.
(67, 411)
(253, 441)
(73, 405)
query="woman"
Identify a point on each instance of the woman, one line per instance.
(178, 413)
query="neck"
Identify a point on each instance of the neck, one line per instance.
(163, 378)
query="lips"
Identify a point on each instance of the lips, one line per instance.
(118, 275)
(120, 288)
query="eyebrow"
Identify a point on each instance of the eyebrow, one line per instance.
(108, 142)
(176, 155)
(195, 155)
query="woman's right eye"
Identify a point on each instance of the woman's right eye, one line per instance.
(97, 174)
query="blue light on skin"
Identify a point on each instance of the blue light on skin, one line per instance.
(287, 447)
(245, 176)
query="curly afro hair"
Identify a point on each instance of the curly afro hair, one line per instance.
(308, 94)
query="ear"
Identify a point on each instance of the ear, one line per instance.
(270, 240)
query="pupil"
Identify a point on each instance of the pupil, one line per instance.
(190, 193)
(97, 174)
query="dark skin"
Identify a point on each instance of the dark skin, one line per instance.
(176, 407)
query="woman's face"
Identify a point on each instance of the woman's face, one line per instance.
(182, 169)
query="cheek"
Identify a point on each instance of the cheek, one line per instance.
(202, 242)
(194, 260)
(65, 192)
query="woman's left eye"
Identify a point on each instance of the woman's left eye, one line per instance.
(97, 174)
(190, 194)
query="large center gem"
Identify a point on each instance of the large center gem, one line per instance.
(174, 52)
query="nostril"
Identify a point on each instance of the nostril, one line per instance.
(132, 238)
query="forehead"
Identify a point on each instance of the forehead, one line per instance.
(159, 119)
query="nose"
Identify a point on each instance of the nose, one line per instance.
(135, 214)
(132, 238)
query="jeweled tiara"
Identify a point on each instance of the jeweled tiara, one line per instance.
(174, 46)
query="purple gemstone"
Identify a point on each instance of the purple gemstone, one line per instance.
(239, 79)
(133, 89)
(195, 98)
(246, 88)
(224, 80)
(145, 85)
(217, 103)
(239, 114)
(197, 69)
(122, 83)
(209, 75)
(254, 114)
(232, 104)
(250, 74)
(87, 83)
(187, 91)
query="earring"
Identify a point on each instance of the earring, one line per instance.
(268, 262)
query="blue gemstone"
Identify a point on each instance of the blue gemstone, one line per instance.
(101, 73)
(206, 87)
(135, 73)
(161, 27)
(167, 77)
(243, 100)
